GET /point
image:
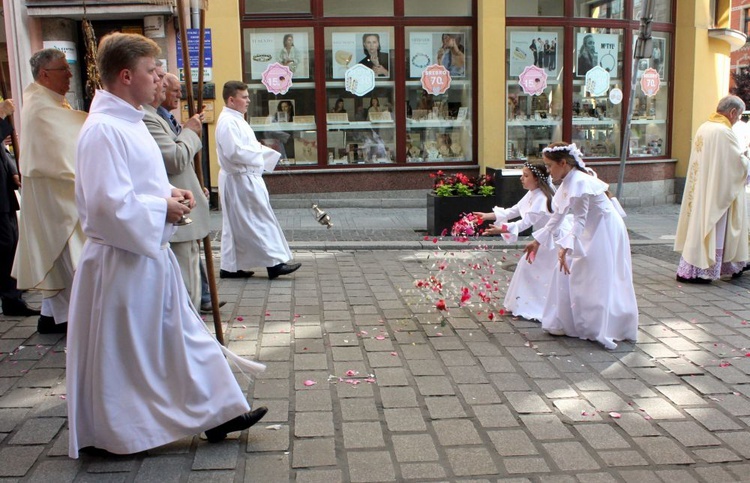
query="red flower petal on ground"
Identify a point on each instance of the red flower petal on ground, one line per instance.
(440, 305)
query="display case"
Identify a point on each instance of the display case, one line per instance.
(596, 124)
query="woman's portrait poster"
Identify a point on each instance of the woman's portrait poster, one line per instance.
(444, 48)
(597, 49)
(290, 48)
(534, 48)
(370, 48)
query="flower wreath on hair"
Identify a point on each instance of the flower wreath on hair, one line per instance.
(572, 149)
(537, 173)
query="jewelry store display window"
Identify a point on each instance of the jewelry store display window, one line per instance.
(387, 84)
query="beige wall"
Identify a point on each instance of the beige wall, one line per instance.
(491, 83)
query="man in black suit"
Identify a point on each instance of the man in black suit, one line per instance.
(10, 181)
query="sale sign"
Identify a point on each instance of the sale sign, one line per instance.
(277, 78)
(533, 80)
(436, 79)
(650, 82)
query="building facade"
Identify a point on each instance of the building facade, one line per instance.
(384, 93)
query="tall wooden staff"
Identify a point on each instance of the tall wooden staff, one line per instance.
(198, 167)
(13, 135)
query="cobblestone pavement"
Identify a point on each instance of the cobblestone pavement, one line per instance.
(470, 399)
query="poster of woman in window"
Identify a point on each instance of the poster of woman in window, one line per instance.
(443, 48)
(597, 49)
(371, 49)
(287, 48)
(533, 48)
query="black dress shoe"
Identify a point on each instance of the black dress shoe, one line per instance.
(237, 274)
(18, 308)
(282, 269)
(239, 423)
(208, 308)
(47, 325)
(697, 280)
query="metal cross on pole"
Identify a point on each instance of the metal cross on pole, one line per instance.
(644, 47)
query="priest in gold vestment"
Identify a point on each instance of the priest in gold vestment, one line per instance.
(712, 229)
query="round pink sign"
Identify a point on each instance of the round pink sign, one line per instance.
(277, 78)
(436, 79)
(650, 82)
(533, 80)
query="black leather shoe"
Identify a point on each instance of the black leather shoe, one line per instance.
(697, 280)
(47, 325)
(237, 274)
(18, 308)
(282, 269)
(240, 423)
(208, 308)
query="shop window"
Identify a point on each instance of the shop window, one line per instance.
(360, 125)
(284, 122)
(347, 8)
(438, 125)
(662, 10)
(421, 8)
(269, 7)
(535, 8)
(534, 115)
(599, 8)
(746, 21)
(649, 126)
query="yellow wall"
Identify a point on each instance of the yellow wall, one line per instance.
(223, 18)
(701, 76)
(491, 83)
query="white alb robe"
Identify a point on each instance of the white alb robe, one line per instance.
(597, 300)
(527, 291)
(250, 235)
(142, 370)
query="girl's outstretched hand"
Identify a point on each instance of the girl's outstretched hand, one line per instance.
(563, 261)
(483, 216)
(531, 250)
(495, 230)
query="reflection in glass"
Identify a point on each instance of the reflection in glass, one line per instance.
(347, 8)
(662, 10)
(599, 8)
(539, 8)
(274, 6)
(453, 8)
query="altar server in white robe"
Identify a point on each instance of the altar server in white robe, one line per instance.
(250, 233)
(712, 228)
(591, 296)
(142, 369)
(527, 292)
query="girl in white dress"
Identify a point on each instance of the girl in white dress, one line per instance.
(591, 296)
(527, 291)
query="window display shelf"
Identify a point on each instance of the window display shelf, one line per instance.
(340, 84)
(534, 122)
(594, 122)
(648, 121)
(283, 126)
(431, 123)
(359, 125)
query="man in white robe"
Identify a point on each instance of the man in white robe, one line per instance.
(50, 235)
(142, 370)
(251, 235)
(712, 228)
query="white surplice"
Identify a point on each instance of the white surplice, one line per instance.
(597, 300)
(142, 370)
(251, 235)
(527, 291)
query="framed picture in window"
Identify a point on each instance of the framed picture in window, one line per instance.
(370, 48)
(281, 110)
(290, 48)
(533, 48)
(597, 50)
(446, 48)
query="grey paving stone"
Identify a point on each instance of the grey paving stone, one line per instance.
(343, 339)
(676, 476)
(408, 419)
(512, 442)
(527, 402)
(708, 385)
(307, 332)
(313, 401)
(689, 433)
(445, 407)
(157, 469)
(741, 470)
(495, 416)
(221, 456)
(442, 343)
(395, 376)
(418, 352)
(713, 419)
(308, 453)
(456, 432)
(663, 451)
(635, 359)
(275, 370)
(42, 378)
(640, 476)
(657, 351)
(576, 409)
(612, 370)
(414, 448)
(479, 394)
(310, 362)
(496, 364)
(351, 391)
(319, 476)
(634, 388)
(425, 368)
(655, 376)
(434, 386)
(587, 382)
(738, 441)
(313, 424)
(266, 467)
(422, 471)
(525, 465)
(606, 401)
(636, 424)
(358, 409)
(371, 466)
(347, 354)
(556, 388)
(383, 359)
(271, 389)
(377, 345)
(10, 418)
(38, 431)
(601, 436)
(23, 398)
(457, 358)
(59, 471)
(622, 458)
(398, 397)
(716, 455)
(681, 367)
(363, 435)
(545, 427)
(320, 378)
(735, 404)
(571, 456)
(471, 461)
(468, 375)
(658, 408)
(278, 410)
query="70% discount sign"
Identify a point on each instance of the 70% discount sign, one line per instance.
(436, 79)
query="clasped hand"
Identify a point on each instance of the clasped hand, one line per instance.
(179, 204)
